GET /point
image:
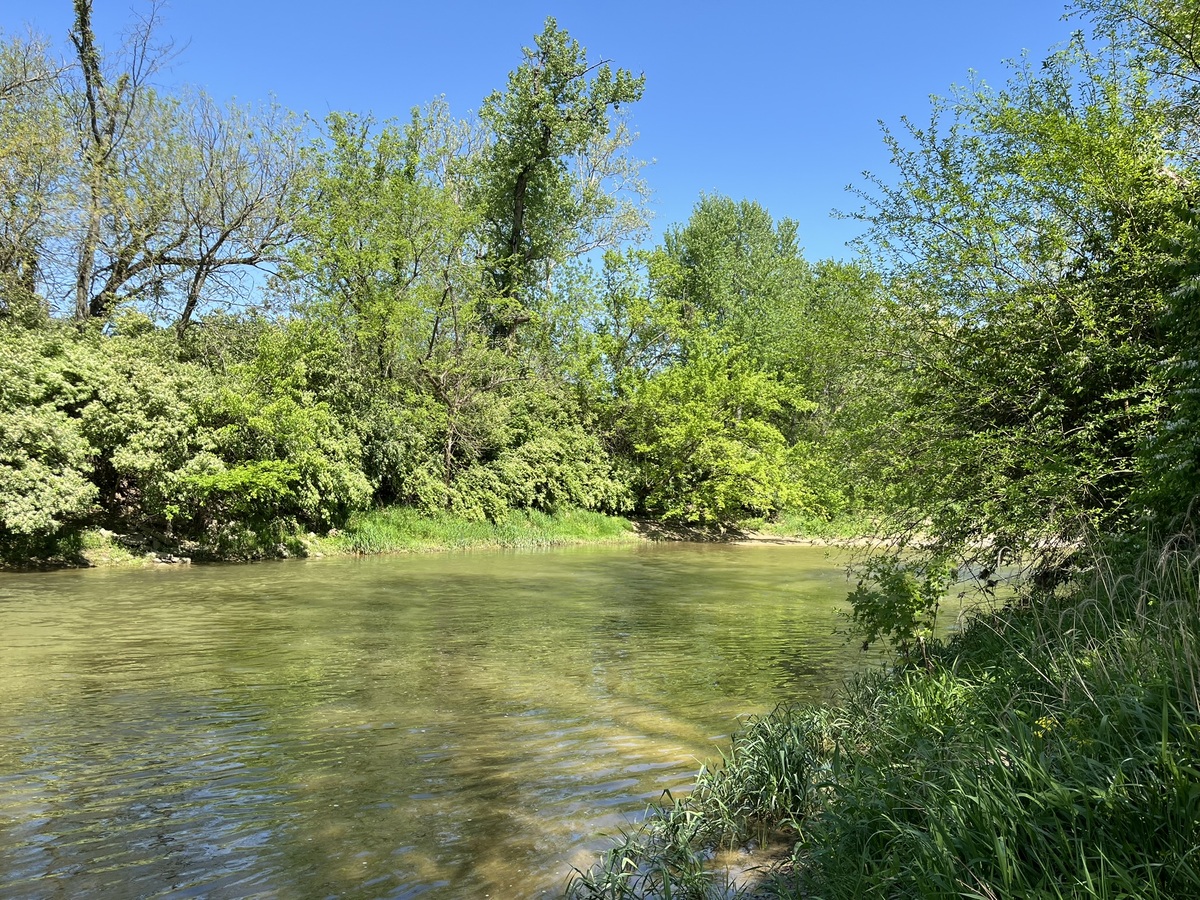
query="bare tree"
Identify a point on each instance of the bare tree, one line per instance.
(236, 203)
(113, 102)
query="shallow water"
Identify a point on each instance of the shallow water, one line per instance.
(444, 725)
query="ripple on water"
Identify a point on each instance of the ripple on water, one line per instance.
(448, 726)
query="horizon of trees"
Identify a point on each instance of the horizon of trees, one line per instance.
(218, 324)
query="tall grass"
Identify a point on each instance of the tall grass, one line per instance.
(1049, 750)
(792, 523)
(400, 528)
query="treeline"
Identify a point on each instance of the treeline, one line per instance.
(224, 325)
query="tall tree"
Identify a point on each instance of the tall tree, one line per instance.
(34, 160)
(555, 179)
(112, 102)
(179, 198)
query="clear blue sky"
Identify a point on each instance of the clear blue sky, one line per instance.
(777, 102)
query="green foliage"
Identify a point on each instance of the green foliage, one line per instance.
(98, 428)
(1171, 458)
(687, 386)
(1023, 242)
(273, 459)
(734, 271)
(34, 156)
(536, 210)
(898, 603)
(725, 362)
(381, 262)
(401, 266)
(705, 448)
(45, 457)
(549, 460)
(117, 431)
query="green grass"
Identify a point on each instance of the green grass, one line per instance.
(390, 530)
(1049, 750)
(101, 548)
(402, 529)
(843, 526)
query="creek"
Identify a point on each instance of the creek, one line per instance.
(439, 725)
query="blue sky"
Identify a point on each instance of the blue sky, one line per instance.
(776, 102)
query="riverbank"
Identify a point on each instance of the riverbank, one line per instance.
(1049, 749)
(389, 530)
(405, 530)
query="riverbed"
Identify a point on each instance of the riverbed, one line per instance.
(443, 725)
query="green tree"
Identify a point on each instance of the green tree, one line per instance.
(1022, 245)
(716, 353)
(703, 442)
(34, 158)
(386, 253)
(739, 271)
(1163, 36)
(555, 179)
(449, 418)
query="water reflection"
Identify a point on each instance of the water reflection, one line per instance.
(442, 726)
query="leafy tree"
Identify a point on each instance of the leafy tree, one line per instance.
(554, 180)
(400, 258)
(385, 254)
(1022, 245)
(34, 157)
(1163, 36)
(739, 271)
(727, 359)
(1171, 461)
(703, 443)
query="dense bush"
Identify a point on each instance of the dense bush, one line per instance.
(705, 447)
(45, 458)
(115, 431)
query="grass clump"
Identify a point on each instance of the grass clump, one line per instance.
(1049, 750)
(802, 524)
(397, 529)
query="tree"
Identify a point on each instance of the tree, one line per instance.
(166, 200)
(727, 357)
(387, 244)
(739, 271)
(34, 160)
(108, 105)
(391, 261)
(1022, 249)
(44, 455)
(238, 201)
(703, 439)
(554, 180)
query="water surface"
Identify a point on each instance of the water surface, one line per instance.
(445, 725)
